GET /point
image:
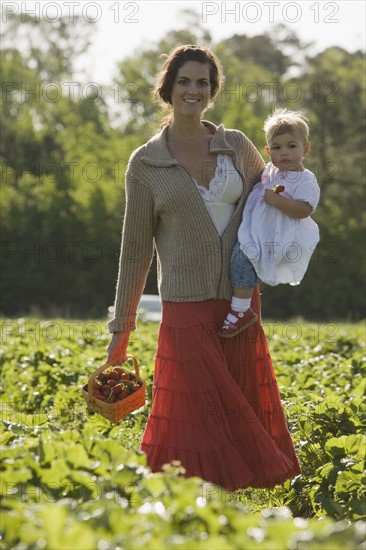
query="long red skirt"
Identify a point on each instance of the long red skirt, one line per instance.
(216, 405)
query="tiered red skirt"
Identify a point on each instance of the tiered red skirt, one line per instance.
(216, 405)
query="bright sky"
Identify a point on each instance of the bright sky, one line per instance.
(123, 26)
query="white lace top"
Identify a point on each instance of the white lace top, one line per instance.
(223, 192)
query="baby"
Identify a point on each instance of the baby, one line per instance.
(277, 236)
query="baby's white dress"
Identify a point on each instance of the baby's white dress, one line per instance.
(280, 247)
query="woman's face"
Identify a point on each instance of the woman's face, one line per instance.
(191, 89)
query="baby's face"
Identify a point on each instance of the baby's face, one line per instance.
(287, 152)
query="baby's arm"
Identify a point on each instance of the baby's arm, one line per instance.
(293, 208)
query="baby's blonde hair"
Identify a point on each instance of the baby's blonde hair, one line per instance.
(283, 121)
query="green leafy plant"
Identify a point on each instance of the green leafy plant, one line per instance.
(70, 479)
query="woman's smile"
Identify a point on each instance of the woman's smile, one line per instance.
(191, 88)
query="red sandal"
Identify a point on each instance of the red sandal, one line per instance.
(228, 329)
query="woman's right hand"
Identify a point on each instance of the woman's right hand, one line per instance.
(117, 348)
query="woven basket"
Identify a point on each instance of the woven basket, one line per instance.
(116, 411)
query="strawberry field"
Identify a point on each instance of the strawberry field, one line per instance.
(71, 479)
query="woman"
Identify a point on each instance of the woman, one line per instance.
(216, 405)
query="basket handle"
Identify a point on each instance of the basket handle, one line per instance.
(109, 364)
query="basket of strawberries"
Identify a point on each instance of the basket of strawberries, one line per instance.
(114, 392)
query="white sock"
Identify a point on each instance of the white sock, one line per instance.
(240, 305)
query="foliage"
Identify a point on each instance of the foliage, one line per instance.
(65, 145)
(330, 419)
(72, 480)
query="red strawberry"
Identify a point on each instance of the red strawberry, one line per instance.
(279, 188)
(118, 370)
(117, 389)
(113, 375)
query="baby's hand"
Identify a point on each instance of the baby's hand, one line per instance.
(271, 197)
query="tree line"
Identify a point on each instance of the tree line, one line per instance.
(65, 145)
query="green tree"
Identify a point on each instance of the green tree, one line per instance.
(63, 161)
(62, 189)
(332, 94)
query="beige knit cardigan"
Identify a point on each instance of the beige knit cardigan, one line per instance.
(165, 211)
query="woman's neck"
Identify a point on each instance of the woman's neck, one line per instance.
(187, 128)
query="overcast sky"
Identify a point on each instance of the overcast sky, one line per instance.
(122, 26)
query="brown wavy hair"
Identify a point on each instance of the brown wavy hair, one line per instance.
(174, 61)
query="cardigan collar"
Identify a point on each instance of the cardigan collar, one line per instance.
(157, 152)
